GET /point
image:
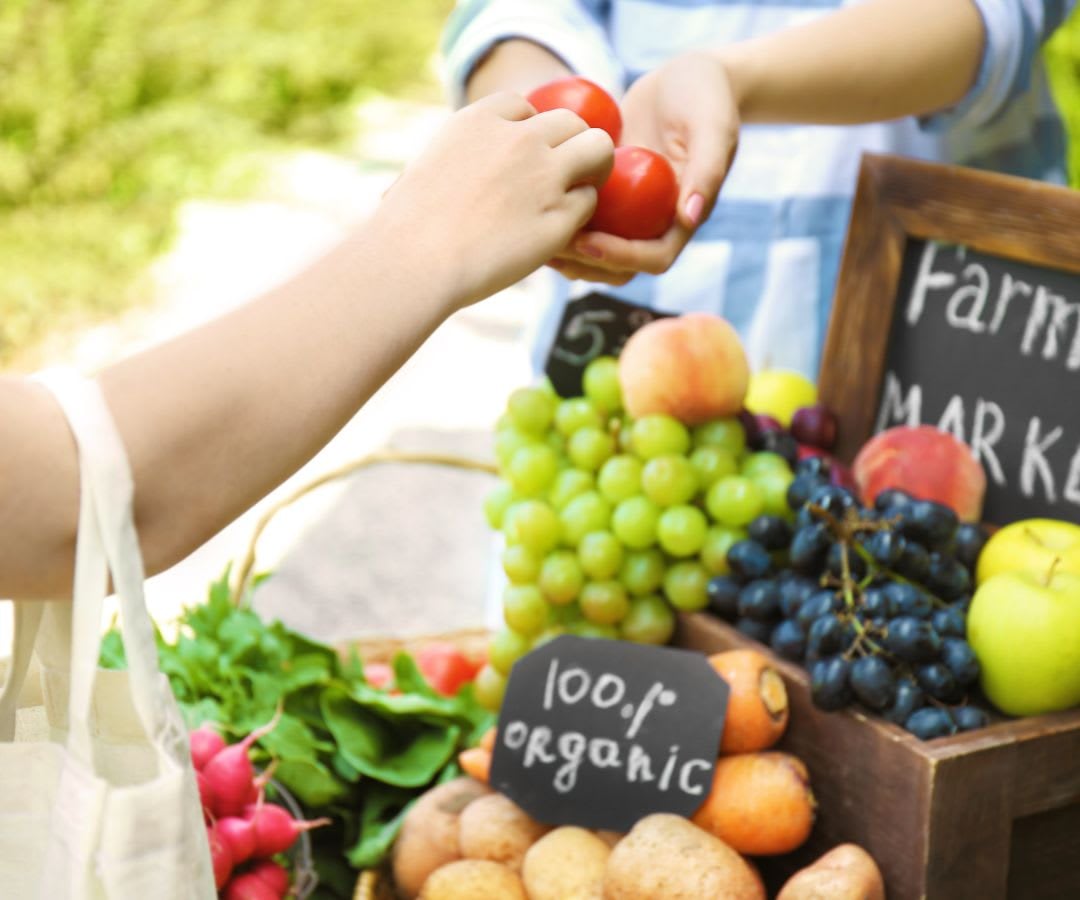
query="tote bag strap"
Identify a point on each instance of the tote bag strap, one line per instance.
(27, 622)
(107, 542)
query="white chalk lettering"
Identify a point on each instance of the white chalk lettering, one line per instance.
(536, 750)
(515, 734)
(569, 694)
(604, 753)
(1010, 287)
(669, 768)
(605, 682)
(549, 684)
(895, 407)
(572, 747)
(639, 765)
(1050, 319)
(977, 294)
(1072, 482)
(926, 280)
(684, 776)
(1033, 463)
(987, 430)
(952, 420)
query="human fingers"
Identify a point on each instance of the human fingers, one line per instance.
(557, 125)
(612, 253)
(579, 203)
(506, 105)
(711, 134)
(580, 272)
(587, 157)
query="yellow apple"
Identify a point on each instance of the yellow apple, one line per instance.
(1030, 545)
(1025, 630)
(779, 393)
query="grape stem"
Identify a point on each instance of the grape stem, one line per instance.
(849, 601)
(875, 568)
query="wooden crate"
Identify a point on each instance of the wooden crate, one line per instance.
(993, 813)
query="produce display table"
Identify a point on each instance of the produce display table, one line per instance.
(989, 813)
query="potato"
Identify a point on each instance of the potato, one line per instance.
(497, 829)
(429, 834)
(564, 863)
(667, 857)
(846, 872)
(473, 879)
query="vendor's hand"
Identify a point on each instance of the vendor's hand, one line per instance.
(495, 195)
(685, 110)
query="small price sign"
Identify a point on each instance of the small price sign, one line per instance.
(591, 326)
(599, 733)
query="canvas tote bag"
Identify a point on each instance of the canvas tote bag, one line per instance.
(97, 793)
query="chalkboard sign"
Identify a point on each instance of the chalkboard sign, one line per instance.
(591, 326)
(600, 733)
(958, 305)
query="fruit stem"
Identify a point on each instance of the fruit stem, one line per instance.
(896, 576)
(864, 637)
(845, 569)
(1050, 572)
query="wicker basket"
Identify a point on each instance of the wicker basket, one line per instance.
(373, 884)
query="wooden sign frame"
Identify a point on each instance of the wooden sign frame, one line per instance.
(897, 199)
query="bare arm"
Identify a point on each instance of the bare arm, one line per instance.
(514, 65)
(879, 60)
(215, 418)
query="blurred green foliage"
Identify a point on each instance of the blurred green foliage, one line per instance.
(1062, 54)
(112, 112)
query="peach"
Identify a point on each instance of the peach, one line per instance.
(691, 367)
(927, 463)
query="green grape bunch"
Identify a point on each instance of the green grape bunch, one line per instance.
(612, 525)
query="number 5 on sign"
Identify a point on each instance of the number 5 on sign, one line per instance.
(591, 326)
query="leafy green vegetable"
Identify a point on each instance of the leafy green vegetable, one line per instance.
(343, 748)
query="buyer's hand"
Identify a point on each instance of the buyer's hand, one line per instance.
(685, 110)
(496, 194)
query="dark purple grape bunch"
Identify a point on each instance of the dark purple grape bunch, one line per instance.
(871, 600)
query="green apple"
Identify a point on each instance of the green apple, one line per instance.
(1030, 545)
(1025, 631)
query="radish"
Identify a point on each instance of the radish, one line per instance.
(239, 835)
(258, 785)
(275, 828)
(220, 856)
(206, 796)
(229, 772)
(205, 744)
(248, 886)
(273, 873)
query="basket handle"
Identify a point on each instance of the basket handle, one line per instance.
(243, 577)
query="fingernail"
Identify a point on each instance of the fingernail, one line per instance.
(589, 249)
(694, 207)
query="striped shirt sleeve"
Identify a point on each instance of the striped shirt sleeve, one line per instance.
(573, 30)
(1014, 31)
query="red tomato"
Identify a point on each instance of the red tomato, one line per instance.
(590, 101)
(445, 667)
(639, 198)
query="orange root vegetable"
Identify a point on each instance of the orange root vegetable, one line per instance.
(476, 763)
(757, 711)
(760, 803)
(488, 740)
(846, 872)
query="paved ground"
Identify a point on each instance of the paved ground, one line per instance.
(395, 550)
